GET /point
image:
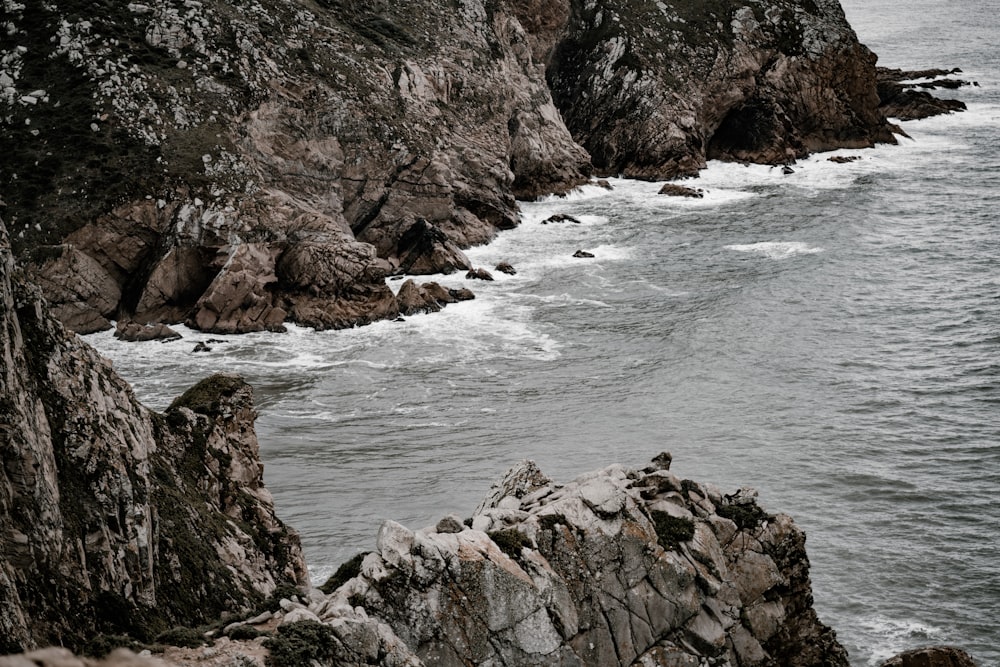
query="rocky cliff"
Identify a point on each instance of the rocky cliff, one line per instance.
(652, 89)
(113, 518)
(239, 164)
(236, 165)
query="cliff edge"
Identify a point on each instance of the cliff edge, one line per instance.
(113, 518)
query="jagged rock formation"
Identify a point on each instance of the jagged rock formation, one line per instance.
(652, 89)
(618, 567)
(114, 518)
(902, 96)
(235, 165)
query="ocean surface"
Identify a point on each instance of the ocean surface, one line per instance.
(829, 337)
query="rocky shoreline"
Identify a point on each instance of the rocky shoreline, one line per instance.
(123, 528)
(235, 166)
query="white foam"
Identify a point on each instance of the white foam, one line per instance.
(776, 249)
(582, 193)
(893, 636)
(565, 299)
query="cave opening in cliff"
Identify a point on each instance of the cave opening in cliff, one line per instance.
(746, 130)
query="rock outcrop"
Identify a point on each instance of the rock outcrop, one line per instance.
(618, 567)
(653, 89)
(902, 95)
(113, 518)
(236, 165)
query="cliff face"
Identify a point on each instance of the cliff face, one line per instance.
(114, 518)
(652, 89)
(239, 164)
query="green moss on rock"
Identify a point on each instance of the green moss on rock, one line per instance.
(746, 517)
(344, 573)
(206, 396)
(302, 643)
(510, 541)
(671, 531)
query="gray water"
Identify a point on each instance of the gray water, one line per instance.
(831, 337)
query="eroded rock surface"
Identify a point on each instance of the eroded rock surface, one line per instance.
(114, 518)
(617, 567)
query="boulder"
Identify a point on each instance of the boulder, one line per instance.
(424, 248)
(413, 299)
(932, 656)
(560, 217)
(675, 190)
(504, 267)
(131, 332)
(583, 254)
(238, 299)
(478, 274)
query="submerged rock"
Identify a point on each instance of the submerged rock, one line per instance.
(479, 274)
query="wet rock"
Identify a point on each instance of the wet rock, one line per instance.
(413, 299)
(478, 274)
(675, 190)
(424, 248)
(238, 299)
(933, 656)
(583, 254)
(131, 331)
(844, 159)
(461, 294)
(560, 217)
(898, 97)
(504, 267)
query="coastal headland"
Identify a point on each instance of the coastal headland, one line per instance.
(239, 165)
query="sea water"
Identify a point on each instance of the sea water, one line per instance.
(830, 337)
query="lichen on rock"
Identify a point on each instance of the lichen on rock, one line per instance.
(118, 519)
